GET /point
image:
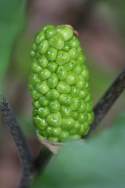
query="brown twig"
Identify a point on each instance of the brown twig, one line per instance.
(19, 139)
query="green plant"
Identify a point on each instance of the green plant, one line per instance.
(59, 85)
(98, 162)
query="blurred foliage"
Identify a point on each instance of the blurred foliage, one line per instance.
(23, 51)
(118, 8)
(120, 120)
(100, 80)
(26, 125)
(12, 16)
(99, 162)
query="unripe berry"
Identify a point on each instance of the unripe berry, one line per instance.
(59, 85)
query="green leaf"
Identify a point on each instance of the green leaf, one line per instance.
(12, 16)
(99, 162)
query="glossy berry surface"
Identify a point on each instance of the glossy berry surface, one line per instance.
(59, 85)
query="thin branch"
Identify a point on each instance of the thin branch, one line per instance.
(19, 139)
(109, 98)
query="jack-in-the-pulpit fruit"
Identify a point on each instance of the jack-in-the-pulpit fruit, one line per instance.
(59, 85)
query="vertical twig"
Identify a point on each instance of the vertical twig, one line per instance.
(19, 139)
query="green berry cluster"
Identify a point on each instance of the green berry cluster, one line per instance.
(59, 85)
